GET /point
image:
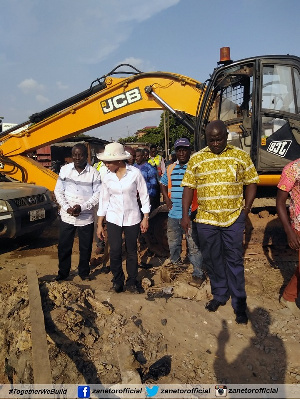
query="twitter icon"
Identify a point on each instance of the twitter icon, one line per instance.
(152, 391)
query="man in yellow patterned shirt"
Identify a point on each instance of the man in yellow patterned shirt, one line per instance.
(219, 173)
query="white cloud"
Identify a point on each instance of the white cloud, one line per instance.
(105, 50)
(142, 10)
(138, 63)
(42, 99)
(61, 86)
(30, 85)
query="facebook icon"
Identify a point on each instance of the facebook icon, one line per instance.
(83, 392)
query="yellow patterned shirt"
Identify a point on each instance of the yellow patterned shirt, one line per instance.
(219, 180)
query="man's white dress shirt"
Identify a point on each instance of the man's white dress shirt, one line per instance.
(74, 188)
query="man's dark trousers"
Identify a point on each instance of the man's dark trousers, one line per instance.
(222, 250)
(65, 245)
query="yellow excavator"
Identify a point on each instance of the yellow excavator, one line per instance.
(258, 98)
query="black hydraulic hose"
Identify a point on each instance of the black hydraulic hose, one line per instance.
(94, 88)
(8, 161)
(12, 129)
(38, 117)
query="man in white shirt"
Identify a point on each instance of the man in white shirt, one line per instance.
(77, 192)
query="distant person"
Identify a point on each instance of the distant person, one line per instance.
(150, 175)
(172, 158)
(172, 193)
(77, 192)
(146, 154)
(289, 186)
(132, 153)
(157, 160)
(102, 169)
(219, 173)
(99, 165)
(118, 203)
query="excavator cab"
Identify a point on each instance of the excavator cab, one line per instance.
(259, 101)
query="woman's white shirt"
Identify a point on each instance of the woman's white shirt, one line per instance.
(118, 198)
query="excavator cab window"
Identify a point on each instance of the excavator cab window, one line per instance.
(277, 89)
(280, 125)
(259, 101)
(232, 103)
(297, 89)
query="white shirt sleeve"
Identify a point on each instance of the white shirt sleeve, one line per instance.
(59, 191)
(143, 193)
(93, 201)
(103, 199)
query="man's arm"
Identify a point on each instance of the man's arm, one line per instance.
(164, 191)
(250, 193)
(187, 197)
(292, 237)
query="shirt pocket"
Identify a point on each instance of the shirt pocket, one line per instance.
(235, 172)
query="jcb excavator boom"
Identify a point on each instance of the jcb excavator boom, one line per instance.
(111, 99)
(258, 99)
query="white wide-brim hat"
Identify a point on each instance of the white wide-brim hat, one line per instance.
(113, 152)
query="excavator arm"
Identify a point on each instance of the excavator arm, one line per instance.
(110, 100)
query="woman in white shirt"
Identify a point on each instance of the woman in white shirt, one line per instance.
(119, 206)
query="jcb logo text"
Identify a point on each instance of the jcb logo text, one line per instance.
(279, 148)
(121, 100)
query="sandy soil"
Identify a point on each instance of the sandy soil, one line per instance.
(89, 327)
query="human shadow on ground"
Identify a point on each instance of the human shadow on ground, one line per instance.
(277, 251)
(263, 361)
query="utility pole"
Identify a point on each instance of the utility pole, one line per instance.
(166, 132)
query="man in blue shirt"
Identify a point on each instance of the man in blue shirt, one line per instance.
(172, 193)
(150, 175)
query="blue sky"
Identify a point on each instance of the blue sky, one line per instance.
(52, 50)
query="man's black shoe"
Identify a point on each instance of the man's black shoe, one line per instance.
(241, 318)
(60, 278)
(85, 278)
(135, 289)
(213, 305)
(118, 287)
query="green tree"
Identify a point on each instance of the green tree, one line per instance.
(176, 130)
(157, 135)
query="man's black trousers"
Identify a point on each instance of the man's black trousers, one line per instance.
(65, 245)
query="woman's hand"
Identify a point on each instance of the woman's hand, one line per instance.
(100, 232)
(144, 224)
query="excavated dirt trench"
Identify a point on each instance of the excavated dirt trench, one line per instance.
(88, 325)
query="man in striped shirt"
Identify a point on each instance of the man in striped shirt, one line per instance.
(219, 172)
(172, 193)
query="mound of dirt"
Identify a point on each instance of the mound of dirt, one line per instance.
(164, 334)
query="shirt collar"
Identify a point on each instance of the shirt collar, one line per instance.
(228, 147)
(87, 167)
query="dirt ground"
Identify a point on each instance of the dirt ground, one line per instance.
(166, 330)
